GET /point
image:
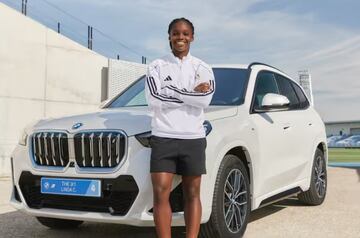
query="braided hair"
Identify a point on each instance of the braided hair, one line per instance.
(173, 22)
(182, 19)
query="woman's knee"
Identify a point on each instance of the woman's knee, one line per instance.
(161, 193)
(161, 185)
(191, 187)
(160, 189)
(191, 193)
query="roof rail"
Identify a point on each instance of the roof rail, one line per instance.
(258, 63)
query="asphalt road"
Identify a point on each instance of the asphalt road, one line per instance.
(338, 216)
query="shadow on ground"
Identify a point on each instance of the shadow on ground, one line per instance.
(274, 208)
(17, 224)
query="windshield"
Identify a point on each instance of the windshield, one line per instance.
(229, 90)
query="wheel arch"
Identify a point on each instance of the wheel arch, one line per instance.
(244, 157)
(240, 150)
(323, 147)
(319, 143)
(235, 148)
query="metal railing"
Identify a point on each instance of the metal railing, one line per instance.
(74, 28)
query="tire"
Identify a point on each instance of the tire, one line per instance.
(231, 167)
(56, 224)
(318, 184)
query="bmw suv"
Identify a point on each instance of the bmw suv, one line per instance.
(265, 142)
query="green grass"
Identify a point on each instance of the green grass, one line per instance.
(344, 155)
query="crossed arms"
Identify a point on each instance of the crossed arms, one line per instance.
(173, 97)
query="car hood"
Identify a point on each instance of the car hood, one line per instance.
(133, 120)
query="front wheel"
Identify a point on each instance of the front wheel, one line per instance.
(318, 184)
(231, 201)
(58, 224)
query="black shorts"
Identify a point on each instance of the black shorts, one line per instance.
(178, 156)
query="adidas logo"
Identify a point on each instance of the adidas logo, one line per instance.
(168, 78)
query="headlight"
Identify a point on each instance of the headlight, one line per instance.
(23, 139)
(208, 127)
(144, 138)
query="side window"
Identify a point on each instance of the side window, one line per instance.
(286, 89)
(139, 99)
(304, 103)
(265, 83)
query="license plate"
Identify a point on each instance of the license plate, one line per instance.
(71, 187)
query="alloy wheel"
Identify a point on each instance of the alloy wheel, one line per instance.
(320, 176)
(235, 200)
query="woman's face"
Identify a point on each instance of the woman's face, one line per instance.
(180, 37)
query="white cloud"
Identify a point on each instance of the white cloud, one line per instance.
(339, 49)
(227, 32)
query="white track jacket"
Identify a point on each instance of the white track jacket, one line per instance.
(177, 110)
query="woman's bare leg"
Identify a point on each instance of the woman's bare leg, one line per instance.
(162, 210)
(191, 189)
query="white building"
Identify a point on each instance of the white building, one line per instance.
(45, 74)
(342, 128)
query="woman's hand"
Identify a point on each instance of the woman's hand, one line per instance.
(202, 88)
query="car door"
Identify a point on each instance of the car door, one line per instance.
(273, 137)
(298, 149)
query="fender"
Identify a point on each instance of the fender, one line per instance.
(317, 141)
(207, 204)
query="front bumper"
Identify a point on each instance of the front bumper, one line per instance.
(117, 196)
(126, 192)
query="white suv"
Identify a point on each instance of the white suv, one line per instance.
(264, 142)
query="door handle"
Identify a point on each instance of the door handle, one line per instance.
(286, 126)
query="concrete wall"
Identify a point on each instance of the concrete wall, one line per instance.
(42, 74)
(122, 74)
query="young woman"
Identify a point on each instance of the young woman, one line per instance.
(179, 86)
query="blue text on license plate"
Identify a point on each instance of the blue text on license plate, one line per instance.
(72, 187)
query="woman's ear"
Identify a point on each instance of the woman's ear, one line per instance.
(170, 42)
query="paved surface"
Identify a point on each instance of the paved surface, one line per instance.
(338, 217)
(5, 186)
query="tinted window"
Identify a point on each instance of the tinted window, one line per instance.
(133, 96)
(304, 103)
(288, 91)
(265, 83)
(230, 86)
(229, 89)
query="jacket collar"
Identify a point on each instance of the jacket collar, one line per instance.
(178, 60)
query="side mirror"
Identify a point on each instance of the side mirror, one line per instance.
(273, 102)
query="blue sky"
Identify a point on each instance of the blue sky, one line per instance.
(322, 36)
